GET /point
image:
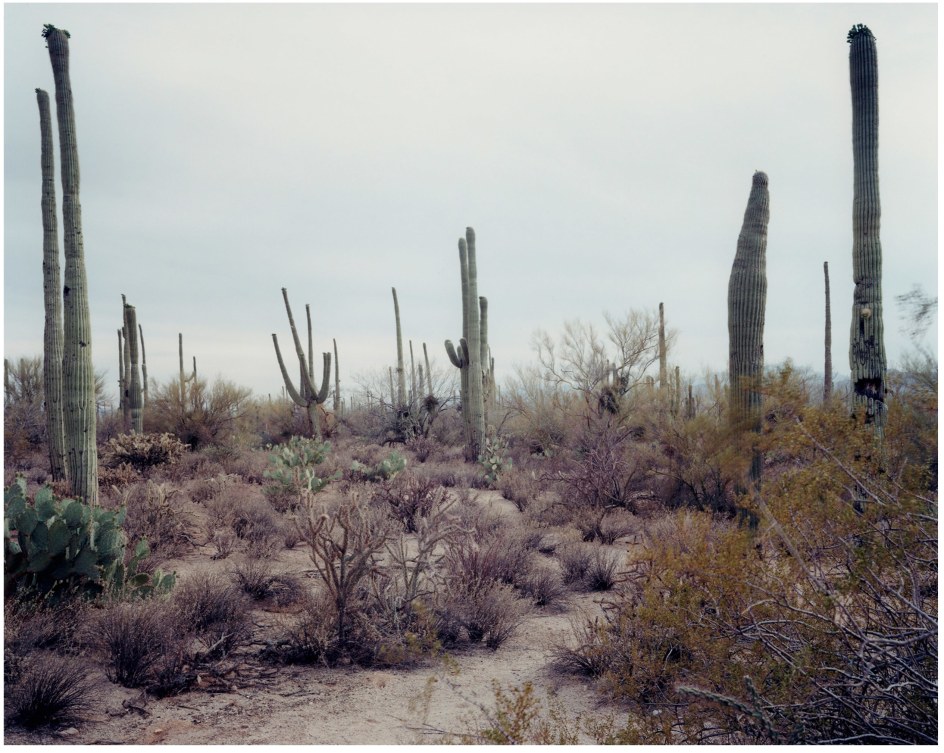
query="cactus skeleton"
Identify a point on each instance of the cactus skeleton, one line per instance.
(866, 342)
(307, 396)
(52, 331)
(747, 301)
(78, 373)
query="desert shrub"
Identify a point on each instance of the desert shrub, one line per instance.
(249, 465)
(223, 541)
(575, 559)
(215, 611)
(141, 451)
(497, 557)
(588, 653)
(203, 415)
(489, 611)
(603, 572)
(409, 498)
(518, 487)
(154, 514)
(118, 478)
(35, 623)
(545, 586)
(257, 580)
(49, 691)
(422, 448)
(143, 643)
(24, 423)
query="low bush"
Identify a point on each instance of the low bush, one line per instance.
(215, 611)
(410, 498)
(49, 691)
(141, 451)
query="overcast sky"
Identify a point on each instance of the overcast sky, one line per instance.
(602, 153)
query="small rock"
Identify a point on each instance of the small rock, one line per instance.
(69, 732)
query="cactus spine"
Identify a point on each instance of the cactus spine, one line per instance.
(52, 332)
(866, 342)
(747, 300)
(469, 356)
(828, 341)
(307, 396)
(78, 373)
(133, 373)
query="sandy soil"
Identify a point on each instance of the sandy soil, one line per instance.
(258, 703)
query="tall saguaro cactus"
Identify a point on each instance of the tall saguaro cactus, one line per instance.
(78, 373)
(184, 379)
(828, 342)
(133, 375)
(747, 301)
(663, 366)
(306, 396)
(469, 356)
(867, 338)
(52, 287)
(337, 379)
(401, 372)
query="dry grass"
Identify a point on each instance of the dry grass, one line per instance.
(50, 691)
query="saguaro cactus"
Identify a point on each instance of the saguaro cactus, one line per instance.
(184, 379)
(144, 379)
(663, 367)
(469, 356)
(401, 372)
(828, 342)
(307, 396)
(867, 339)
(52, 287)
(78, 373)
(337, 379)
(747, 301)
(133, 373)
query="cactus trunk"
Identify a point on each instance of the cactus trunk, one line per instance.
(78, 373)
(401, 374)
(867, 339)
(144, 379)
(663, 367)
(337, 379)
(133, 374)
(828, 340)
(52, 287)
(747, 300)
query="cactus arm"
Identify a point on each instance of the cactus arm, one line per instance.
(289, 387)
(828, 343)
(321, 395)
(429, 372)
(144, 377)
(307, 388)
(78, 373)
(455, 357)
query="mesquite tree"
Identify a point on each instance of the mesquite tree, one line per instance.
(306, 396)
(78, 374)
(468, 359)
(747, 301)
(867, 340)
(52, 332)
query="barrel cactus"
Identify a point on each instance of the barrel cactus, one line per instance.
(747, 301)
(867, 340)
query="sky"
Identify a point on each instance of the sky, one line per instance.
(602, 153)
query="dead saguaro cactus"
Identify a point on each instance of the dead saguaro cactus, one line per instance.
(52, 292)
(867, 337)
(747, 301)
(78, 373)
(306, 396)
(469, 356)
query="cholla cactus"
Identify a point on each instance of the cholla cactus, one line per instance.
(867, 339)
